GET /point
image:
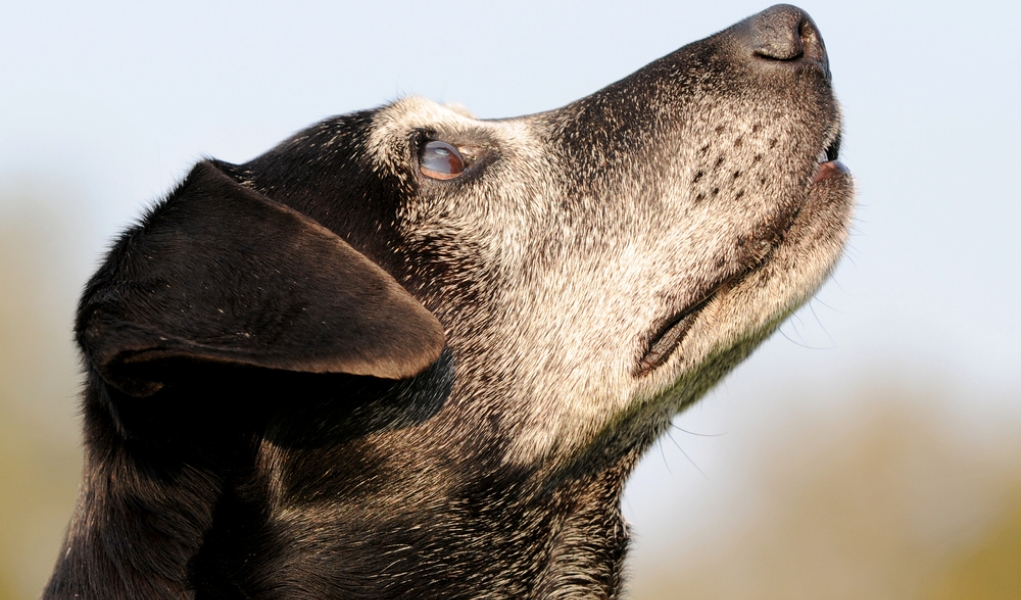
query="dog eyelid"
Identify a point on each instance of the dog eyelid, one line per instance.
(440, 160)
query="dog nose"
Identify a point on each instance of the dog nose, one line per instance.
(786, 34)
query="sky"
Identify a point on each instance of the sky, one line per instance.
(114, 101)
(105, 105)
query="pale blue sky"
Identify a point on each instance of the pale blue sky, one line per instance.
(104, 105)
(114, 101)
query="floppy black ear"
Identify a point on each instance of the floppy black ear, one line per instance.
(221, 274)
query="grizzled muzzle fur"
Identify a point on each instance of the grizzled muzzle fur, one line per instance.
(409, 353)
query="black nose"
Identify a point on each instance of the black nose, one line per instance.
(786, 34)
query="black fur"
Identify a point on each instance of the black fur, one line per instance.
(274, 410)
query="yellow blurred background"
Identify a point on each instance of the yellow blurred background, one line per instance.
(888, 502)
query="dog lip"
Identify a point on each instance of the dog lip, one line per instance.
(671, 332)
(827, 170)
(828, 165)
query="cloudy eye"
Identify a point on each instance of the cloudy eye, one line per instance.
(440, 160)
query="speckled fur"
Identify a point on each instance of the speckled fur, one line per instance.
(497, 471)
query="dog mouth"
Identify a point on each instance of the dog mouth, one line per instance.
(829, 166)
(669, 333)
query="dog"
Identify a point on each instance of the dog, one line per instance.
(409, 353)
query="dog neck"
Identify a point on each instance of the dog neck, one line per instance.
(243, 515)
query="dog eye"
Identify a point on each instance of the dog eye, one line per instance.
(440, 160)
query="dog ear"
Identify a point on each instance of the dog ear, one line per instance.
(221, 274)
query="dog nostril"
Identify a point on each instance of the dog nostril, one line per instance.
(786, 33)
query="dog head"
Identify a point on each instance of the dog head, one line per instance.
(599, 264)
(592, 269)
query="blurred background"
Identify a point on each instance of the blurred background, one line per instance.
(870, 449)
